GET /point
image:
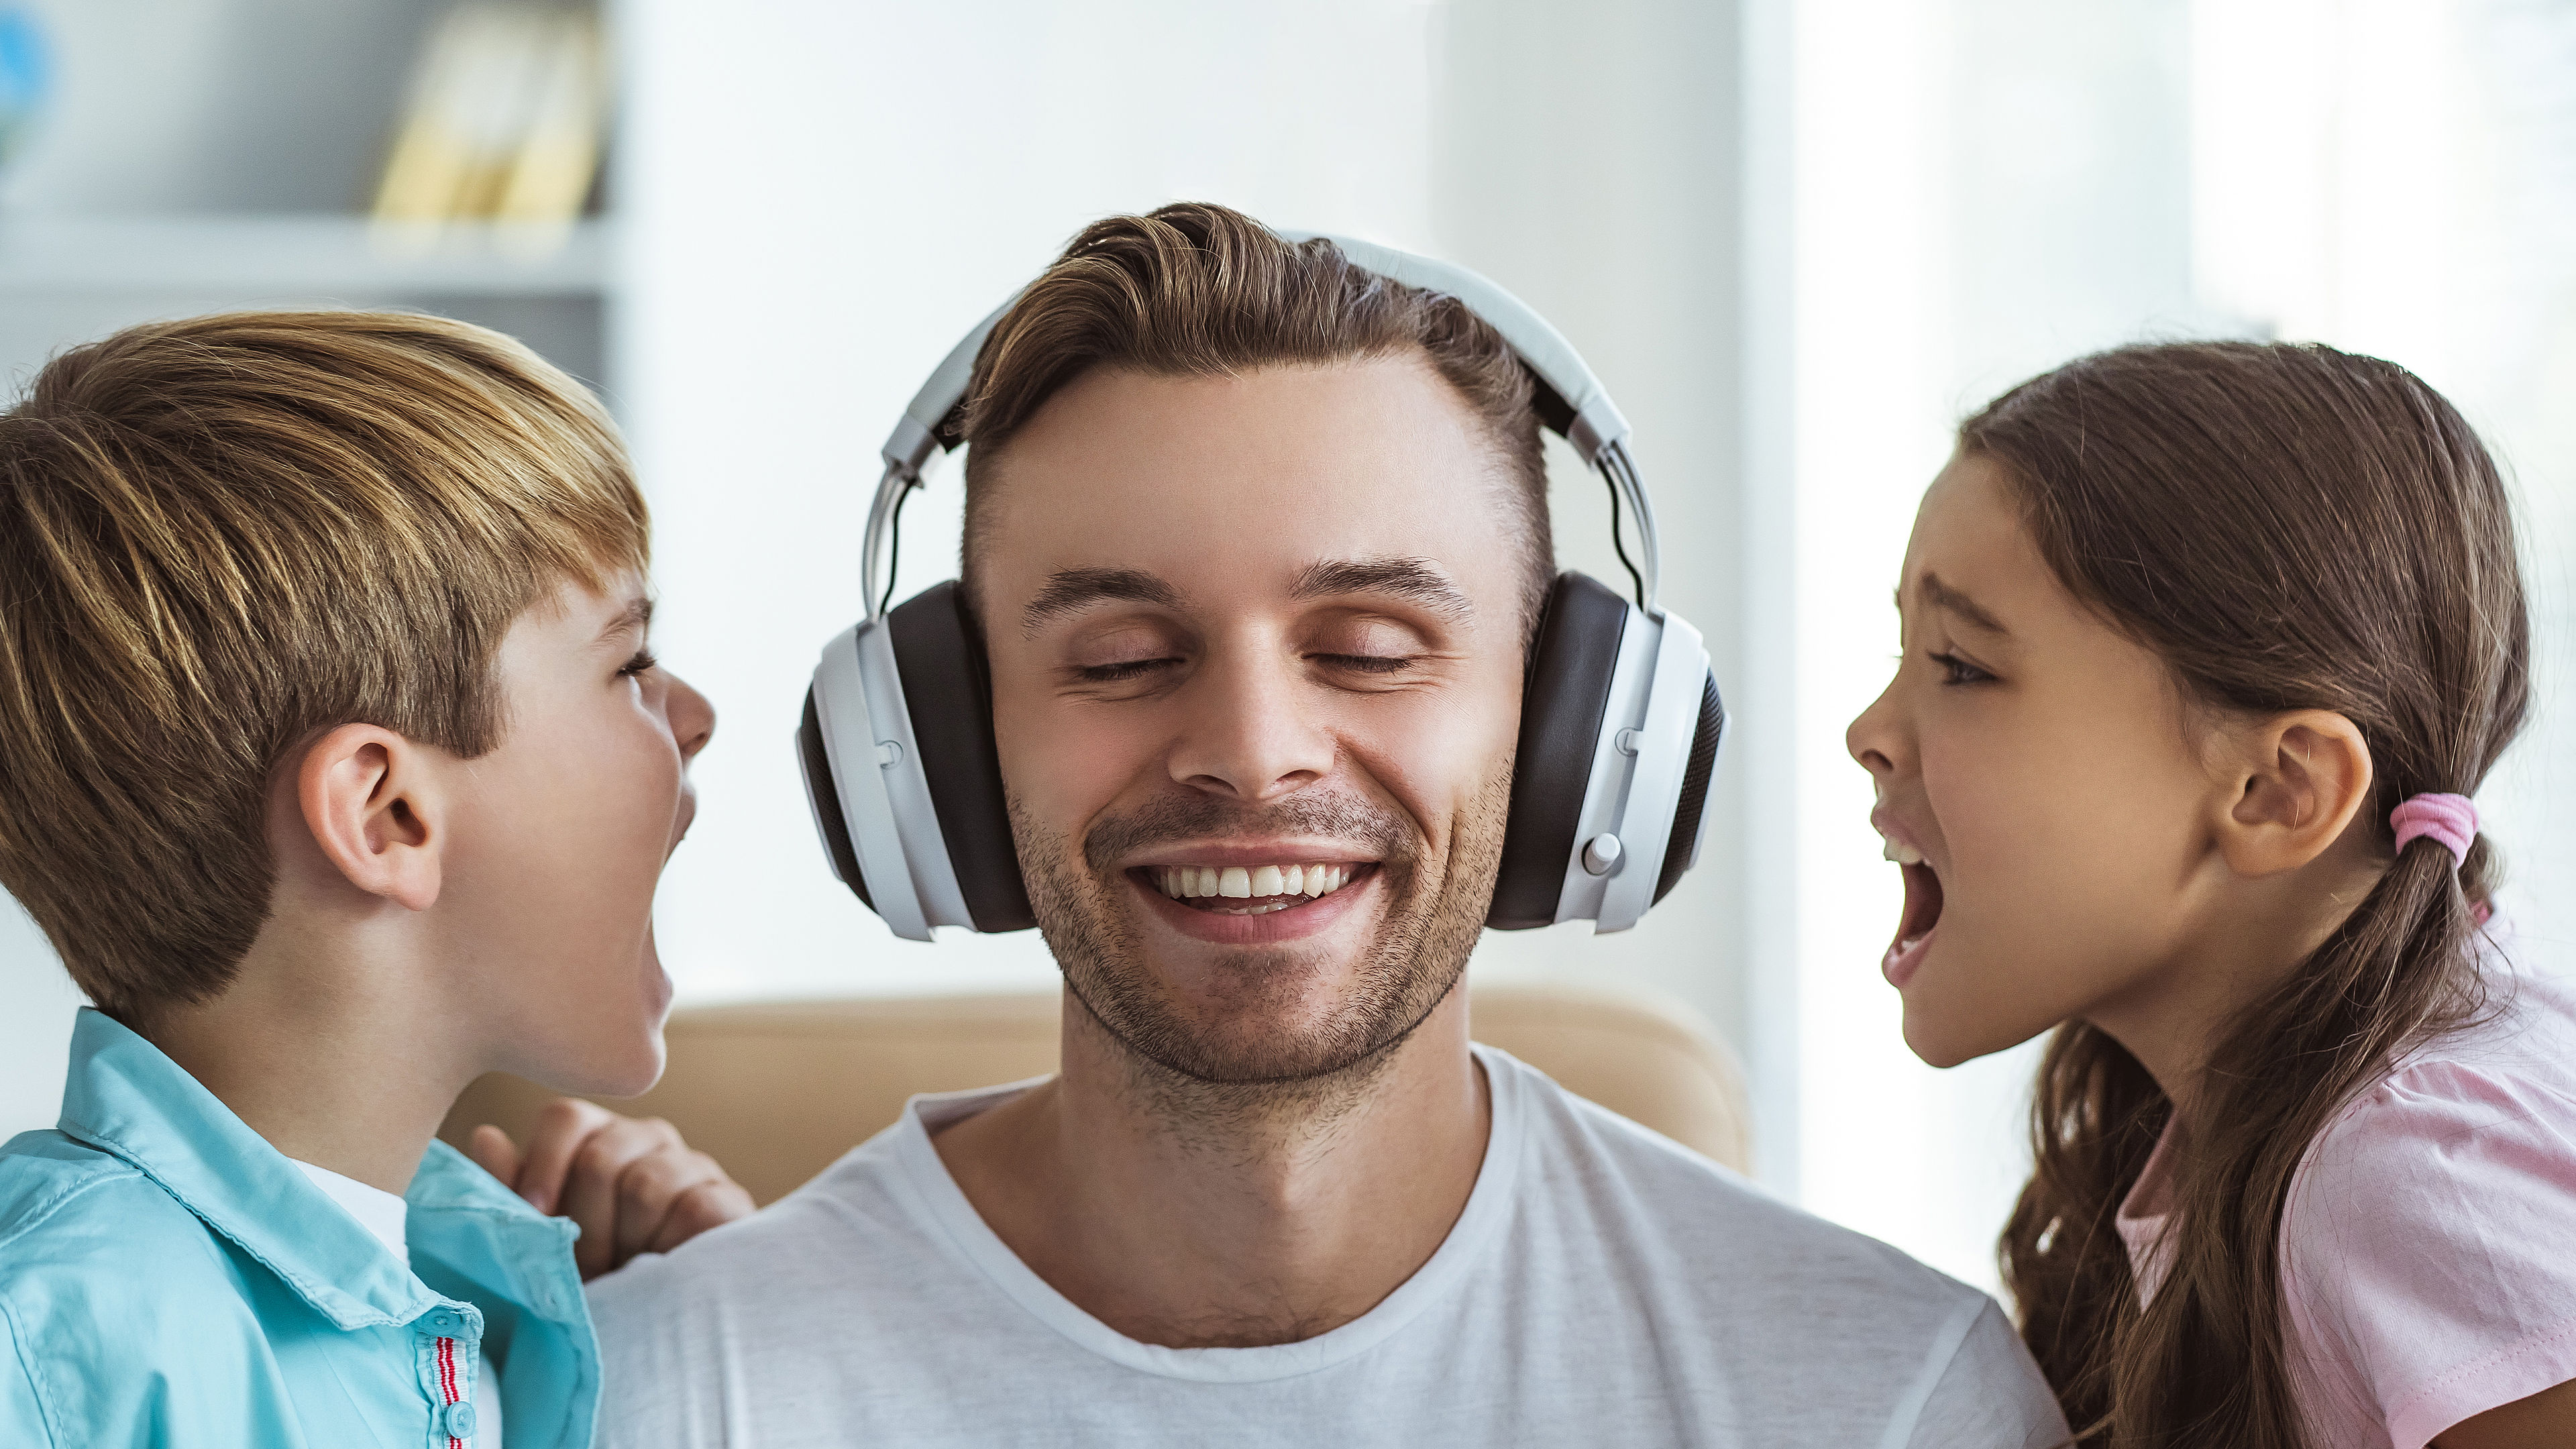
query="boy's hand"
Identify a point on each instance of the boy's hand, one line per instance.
(632, 1186)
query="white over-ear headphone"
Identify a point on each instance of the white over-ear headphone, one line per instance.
(1620, 716)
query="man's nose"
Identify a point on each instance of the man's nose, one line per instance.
(1251, 731)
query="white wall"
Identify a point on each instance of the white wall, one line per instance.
(2394, 179)
(1977, 190)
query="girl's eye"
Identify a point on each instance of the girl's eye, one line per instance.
(1125, 669)
(1955, 670)
(1367, 663)
(641, 663)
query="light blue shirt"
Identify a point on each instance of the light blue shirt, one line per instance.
(169, 1278)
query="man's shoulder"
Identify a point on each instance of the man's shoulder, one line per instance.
(1736, 1237)
(858, 1212)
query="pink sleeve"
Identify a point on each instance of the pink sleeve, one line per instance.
(2429, 1255)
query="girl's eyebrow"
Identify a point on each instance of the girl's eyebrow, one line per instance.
(1941, 596)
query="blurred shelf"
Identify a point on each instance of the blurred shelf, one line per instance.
(303, 256)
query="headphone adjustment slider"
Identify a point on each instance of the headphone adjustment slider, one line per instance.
(1601, 853)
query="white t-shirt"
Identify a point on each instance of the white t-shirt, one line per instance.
(1603, 1286)
(387, 1217)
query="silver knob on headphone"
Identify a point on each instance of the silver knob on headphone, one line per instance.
(1600, 853)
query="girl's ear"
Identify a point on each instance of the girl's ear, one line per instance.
(2299, 779)
(371, 801)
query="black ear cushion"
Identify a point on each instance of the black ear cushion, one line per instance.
(1562, 703)
(1694, 800)
(947, 688)
(827, 802)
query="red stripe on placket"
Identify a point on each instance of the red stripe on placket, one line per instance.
(447, 1381)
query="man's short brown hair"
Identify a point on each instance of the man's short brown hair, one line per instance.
(221, 536)
(1197, 290)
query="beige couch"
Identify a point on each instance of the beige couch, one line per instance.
(777, 1090)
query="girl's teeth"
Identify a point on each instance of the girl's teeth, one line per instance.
(1902, 854)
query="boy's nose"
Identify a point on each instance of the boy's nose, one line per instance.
(693, 718)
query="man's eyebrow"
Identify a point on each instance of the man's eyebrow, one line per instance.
(1070, 589)
(1941, 596)
(1418, 579)
(637, 615)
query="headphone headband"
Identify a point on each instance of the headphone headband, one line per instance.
(1572, 402)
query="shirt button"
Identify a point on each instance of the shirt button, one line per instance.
(456, 1421)
(442, 1319)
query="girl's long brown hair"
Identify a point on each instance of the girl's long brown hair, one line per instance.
(2288, 527)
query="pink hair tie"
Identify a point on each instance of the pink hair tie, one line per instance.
(2449, 819)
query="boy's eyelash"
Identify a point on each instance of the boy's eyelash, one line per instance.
(1959, 670)
(641, 663)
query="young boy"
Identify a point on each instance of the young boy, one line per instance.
(334, 765)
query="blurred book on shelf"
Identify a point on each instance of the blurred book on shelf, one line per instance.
(507, 117)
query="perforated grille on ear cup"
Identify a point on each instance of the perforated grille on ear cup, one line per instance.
(825, 797)
(947, 689)
(1694, 799)
(1561, 708)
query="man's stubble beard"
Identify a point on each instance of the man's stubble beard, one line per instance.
(1210, 1083)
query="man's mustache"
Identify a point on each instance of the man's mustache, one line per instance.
(1387, 836)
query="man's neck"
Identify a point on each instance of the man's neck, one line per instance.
(1197, 1216)
(322, 1054)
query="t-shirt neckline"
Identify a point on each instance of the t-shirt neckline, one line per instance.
(934, 1198)
(385, 1216)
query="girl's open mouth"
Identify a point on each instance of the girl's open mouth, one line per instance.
(1914, 928)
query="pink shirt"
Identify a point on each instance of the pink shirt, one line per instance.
(2428, 1249)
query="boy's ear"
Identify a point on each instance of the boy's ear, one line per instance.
(2300, 778)
(369, 798)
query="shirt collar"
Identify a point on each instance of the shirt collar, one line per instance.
(125, 1097)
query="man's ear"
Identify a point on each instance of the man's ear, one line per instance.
(2299, 779)
(367, 795)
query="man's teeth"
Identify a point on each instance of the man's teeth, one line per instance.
(1901, 853)
(1251, 882)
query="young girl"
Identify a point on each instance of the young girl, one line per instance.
(2207, 649)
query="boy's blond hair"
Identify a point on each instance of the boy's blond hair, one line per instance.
(221, 536)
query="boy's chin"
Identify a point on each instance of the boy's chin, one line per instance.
(621, 1069)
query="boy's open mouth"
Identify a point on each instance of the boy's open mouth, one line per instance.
(1238, 890)
(1922, 914)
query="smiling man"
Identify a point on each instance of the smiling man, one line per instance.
(1257, 543)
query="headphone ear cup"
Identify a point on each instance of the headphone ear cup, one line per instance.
(947, 689)
(1690, 813)
(823, 793)
(1563, 699)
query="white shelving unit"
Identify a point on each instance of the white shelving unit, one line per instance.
(254, 255)
(205, 155)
